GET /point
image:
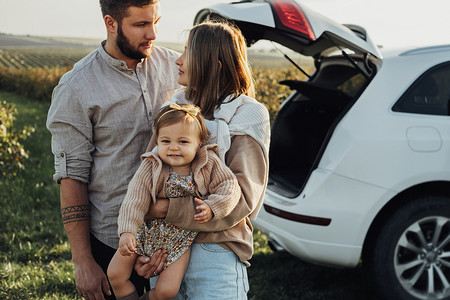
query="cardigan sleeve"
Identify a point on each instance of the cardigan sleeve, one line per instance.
(247, 161)
(224, 190)
(138, 198)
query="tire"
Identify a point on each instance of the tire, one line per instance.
(410, 256)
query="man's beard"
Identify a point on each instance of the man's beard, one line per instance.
(125, 46)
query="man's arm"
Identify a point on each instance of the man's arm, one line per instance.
(89, 277)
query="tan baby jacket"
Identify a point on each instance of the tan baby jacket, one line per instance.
(215, 184)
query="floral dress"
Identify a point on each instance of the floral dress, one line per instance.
(158, 234)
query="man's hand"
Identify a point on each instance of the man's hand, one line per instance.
(91, 281)
(205, 213)
(147, 267)
(158, 210)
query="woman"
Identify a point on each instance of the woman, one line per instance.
(217, 77)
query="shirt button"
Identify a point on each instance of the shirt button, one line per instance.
(62, 154)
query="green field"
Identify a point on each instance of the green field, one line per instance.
(35, 254)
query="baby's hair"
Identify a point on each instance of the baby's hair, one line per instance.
(186, 113)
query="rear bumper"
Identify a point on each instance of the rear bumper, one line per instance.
(350, 205)
(335, 255)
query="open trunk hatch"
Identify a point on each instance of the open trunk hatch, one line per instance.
(291, 24)
(345, 60)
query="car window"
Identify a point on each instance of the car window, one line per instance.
(272, 55)
(430, 94)
(353, 85)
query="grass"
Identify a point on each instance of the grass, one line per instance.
(34, 252)
(35, 261)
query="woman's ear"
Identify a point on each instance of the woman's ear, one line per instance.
(110, 23)
(220, 64)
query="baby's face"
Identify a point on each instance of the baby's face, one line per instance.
(178, 144)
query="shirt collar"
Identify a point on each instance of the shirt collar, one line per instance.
(115, 63)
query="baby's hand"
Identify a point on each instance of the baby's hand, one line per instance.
(127, 244)
(205, 213)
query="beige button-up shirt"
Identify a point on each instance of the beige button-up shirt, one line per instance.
(100, 120)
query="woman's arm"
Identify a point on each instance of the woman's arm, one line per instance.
(223, 190)
(247, 161)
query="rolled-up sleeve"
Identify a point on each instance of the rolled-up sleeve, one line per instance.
(71, 128)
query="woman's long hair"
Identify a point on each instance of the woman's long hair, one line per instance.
(217, 65)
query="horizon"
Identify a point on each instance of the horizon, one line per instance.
(386, 22)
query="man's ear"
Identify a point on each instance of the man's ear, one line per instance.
(110, 23)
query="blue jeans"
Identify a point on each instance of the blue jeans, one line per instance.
(213, 273)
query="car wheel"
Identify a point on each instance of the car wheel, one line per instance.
(410, 256)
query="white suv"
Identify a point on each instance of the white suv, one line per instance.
(360, 151)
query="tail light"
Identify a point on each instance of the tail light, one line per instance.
(290, 17)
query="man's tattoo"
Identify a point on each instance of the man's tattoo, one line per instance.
(75, 213)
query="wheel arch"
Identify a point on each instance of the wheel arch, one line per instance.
(435, 188)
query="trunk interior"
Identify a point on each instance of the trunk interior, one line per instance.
(307, 119)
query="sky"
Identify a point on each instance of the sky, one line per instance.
(391, 23)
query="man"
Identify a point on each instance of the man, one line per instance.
(100, 119)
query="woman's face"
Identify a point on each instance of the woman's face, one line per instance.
(182, 68)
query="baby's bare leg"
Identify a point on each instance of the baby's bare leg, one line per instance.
(119, 272)
(169, 280)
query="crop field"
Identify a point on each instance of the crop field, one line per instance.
(45, 52)
(40, 57)
(42, 52)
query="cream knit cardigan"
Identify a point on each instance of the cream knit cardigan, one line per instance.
(215, 184)
(235, 116)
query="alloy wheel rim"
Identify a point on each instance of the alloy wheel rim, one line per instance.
(422, 258)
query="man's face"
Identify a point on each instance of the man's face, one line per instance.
(138, 30)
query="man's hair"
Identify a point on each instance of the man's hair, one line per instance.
(217, 65)
(118, 8)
